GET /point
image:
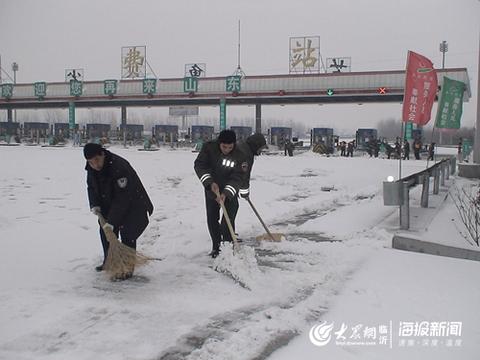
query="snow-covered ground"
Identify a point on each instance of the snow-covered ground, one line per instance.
(336, 264)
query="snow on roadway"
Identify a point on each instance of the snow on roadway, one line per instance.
(55, 306)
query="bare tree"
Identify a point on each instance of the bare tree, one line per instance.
(467, 201)
(389, 128)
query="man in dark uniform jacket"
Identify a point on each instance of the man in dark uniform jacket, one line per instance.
(218, 166)
(251, 147)
(116, 192)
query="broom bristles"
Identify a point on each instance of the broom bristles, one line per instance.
(121, 259)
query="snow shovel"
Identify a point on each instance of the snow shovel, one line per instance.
(268, 235)
(121, 259)
(229, 224)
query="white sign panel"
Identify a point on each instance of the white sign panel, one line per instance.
(134, 62)
(305, 54)
(195, 70)
(182, 110)
(339, 64)
(74, 74)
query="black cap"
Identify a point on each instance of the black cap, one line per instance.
(227, 137)
(91, 150)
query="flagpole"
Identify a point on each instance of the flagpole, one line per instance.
(400, 157)
(403, 105)
(431, 141)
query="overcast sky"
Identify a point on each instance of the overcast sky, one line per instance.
(46, 37)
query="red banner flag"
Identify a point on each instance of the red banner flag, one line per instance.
(420, 89)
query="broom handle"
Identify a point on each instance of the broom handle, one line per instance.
(101, 220)
(229, 224)
(259, 218)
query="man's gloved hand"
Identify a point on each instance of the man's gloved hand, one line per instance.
(107, 227)
(96, 210)
(244, 194)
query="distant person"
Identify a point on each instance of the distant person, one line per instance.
(343, 148)
(376, 147)
(431, 151)
(459, 151)
(116, 192)
(406, 150)
(388, 150)
(252, 146)
(350, 149)
(417, 146)
(398, 149)
(289, 148)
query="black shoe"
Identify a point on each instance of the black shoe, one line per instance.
(214, 253)
(99, 268)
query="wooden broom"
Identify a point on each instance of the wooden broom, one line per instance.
(121, 259)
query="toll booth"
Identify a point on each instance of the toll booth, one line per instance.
(364, 136)
(133, 131)
(9, 128)
(202, 133)
(166, 133)
(63, 130)
(279, 135)
(98, 131)
(242, 132)
(35, 129)
(323, 140)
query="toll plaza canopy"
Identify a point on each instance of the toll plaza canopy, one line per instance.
(352, 87)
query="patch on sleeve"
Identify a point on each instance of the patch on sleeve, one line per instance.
(122, 183)
(245, 166)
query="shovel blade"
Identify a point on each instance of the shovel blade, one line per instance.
(274, 237)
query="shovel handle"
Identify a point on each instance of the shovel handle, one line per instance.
(227, 218)
(259, 218)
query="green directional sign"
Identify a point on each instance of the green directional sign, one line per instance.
(330, 92)
(466, 147)
(149, 86)
(408, 130)
(223, 114)
(190, 84)
(233, 83)
(76, 88)
(110, 87)
(40, 89)
(71, 115)
(7, 90)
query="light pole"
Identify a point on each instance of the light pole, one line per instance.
(476, 140)
(14, 69)
(443, 50)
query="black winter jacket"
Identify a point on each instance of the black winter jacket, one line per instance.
(117, 190)
(225, 170)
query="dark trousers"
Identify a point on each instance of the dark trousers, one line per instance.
(219, 232)
(129, 232)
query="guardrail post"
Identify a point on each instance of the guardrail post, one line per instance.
(436, 180)
(453, 163)
(405, 208)
(425, 189)
(447, 173)
(442, 174)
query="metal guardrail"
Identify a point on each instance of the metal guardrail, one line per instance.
(397, 193)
